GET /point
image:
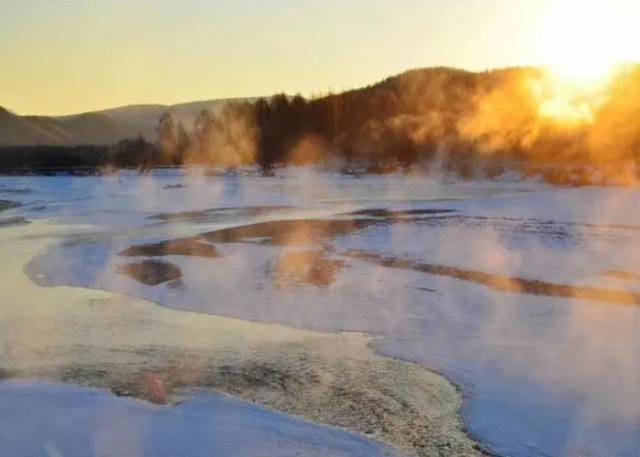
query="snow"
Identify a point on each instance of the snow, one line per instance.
(543, 375)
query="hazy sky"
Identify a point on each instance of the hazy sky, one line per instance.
(64, 56)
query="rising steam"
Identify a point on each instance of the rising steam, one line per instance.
(531, 120)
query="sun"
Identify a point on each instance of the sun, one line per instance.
(580, 44)
(582, 40)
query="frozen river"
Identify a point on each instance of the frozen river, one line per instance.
(61, 420)
(526, 296)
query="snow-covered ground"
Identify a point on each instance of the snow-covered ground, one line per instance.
(544, 374)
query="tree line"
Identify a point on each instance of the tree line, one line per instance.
(438, 119)
(448, 120)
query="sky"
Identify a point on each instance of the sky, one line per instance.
(68, 56)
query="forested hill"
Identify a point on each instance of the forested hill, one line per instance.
(471, 123)
(448, 120)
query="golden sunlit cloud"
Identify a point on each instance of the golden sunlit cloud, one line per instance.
(567, 101)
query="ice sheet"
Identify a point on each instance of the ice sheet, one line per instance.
(544, 375)
(38, 419)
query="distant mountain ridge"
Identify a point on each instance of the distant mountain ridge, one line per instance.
(101, 127)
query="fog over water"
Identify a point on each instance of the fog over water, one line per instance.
(461, 277)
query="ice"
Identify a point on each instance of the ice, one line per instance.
(544, 375)
(39, 419)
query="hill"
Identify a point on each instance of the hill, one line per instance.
(99, 127)
(145, 117)
(95, 129)
(526, 120)
(439, 120)
(16, 130)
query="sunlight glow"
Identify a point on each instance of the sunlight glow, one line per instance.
(568, 101)
(581, 43)
(582, 40)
